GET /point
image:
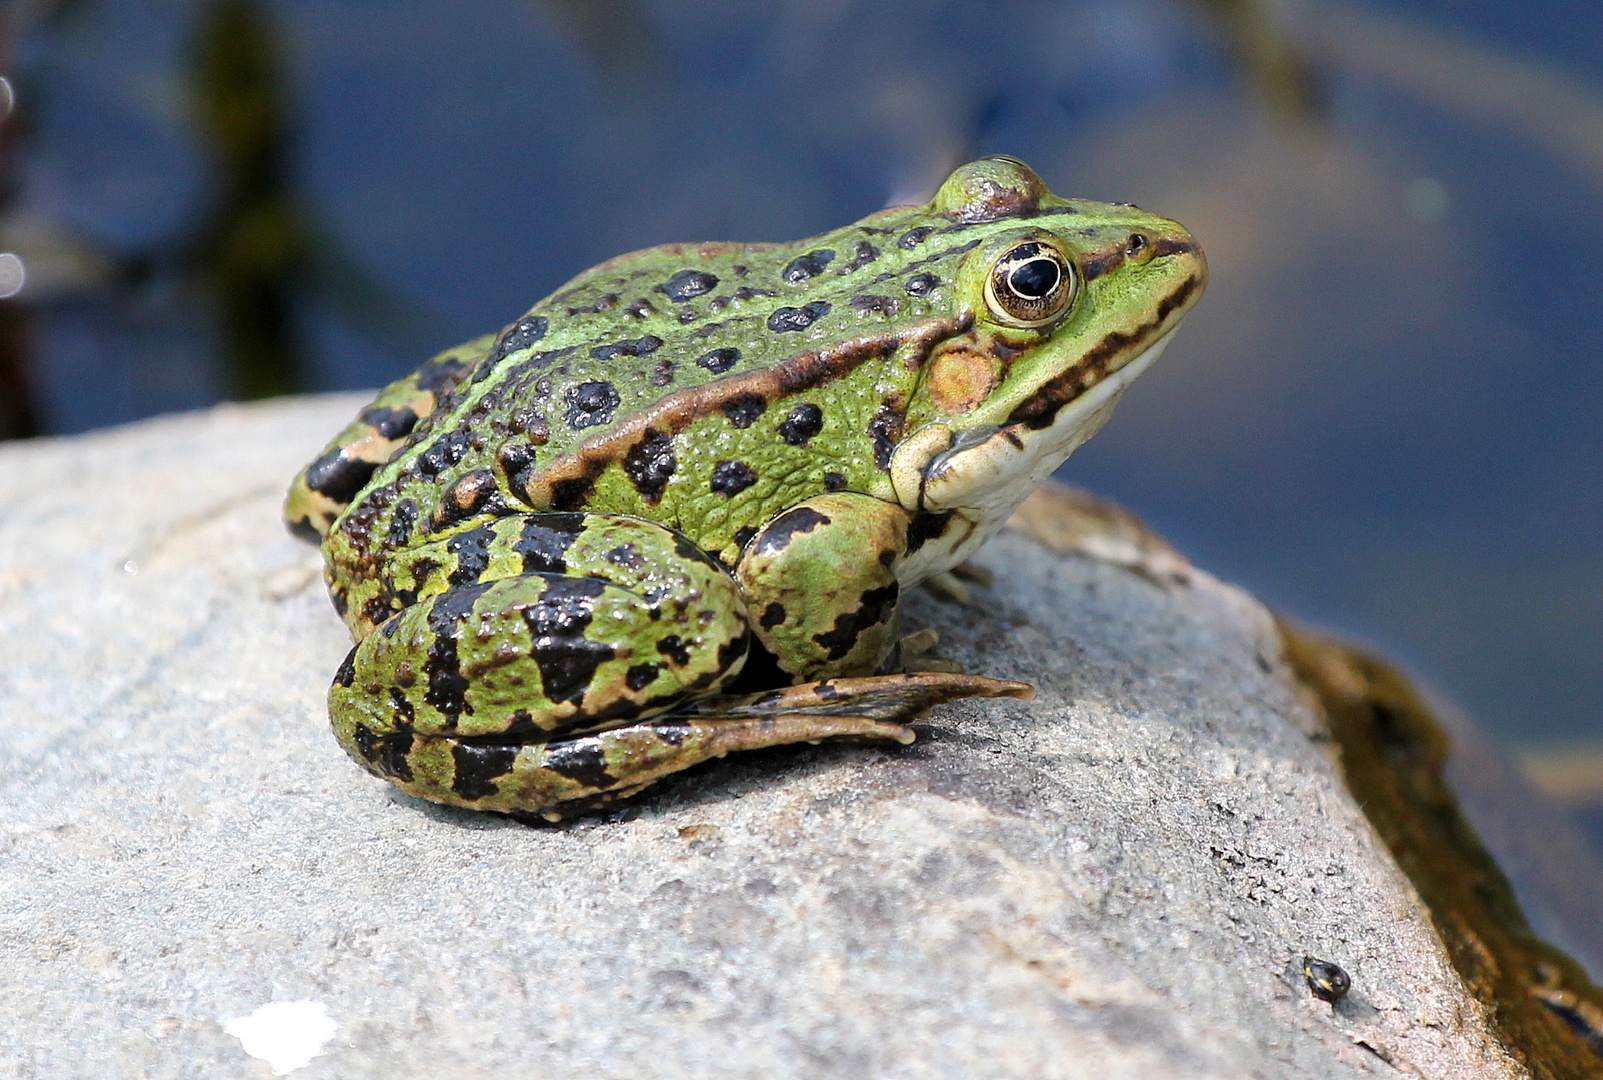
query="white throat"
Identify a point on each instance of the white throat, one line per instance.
(984, 483)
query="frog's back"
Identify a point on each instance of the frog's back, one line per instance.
(700, 386)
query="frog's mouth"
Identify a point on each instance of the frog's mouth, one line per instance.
(985, 472)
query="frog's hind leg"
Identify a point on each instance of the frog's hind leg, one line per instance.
(626, 621)
(554, 780)
(558, 778)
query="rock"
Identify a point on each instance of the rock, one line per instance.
(1120, 878)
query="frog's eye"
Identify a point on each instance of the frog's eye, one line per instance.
(1030, 285)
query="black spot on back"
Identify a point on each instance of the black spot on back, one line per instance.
(805, 266)
(443, 453)
(401, 523)
(914, 237)
(571, 494)
(638, 347)
(422, 570)
(732, 477)
(673, 647)
(531, 422)
(517, 462)
(863, 254)
(871, 303)
(834, 481)
(662, 372)
(720, 360)
(744, 409)
(804, 421)
(440, 374)
(377, 609)
(520, 335)
(788, 319)
(650, 463)
(625, 555)
(602, 303)
(687, 284)
(921, 284)
(640, 676)
(591, 403)
(514, 457)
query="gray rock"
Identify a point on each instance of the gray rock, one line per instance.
(1117, 879)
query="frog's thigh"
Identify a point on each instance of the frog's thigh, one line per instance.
(820, 583)
(523, 660)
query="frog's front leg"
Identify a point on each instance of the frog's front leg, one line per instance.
(820, 582)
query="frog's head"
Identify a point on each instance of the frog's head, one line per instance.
(1064, 302)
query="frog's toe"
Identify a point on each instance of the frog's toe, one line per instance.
(892, 698)
(949, 587)
(916, 652)
(927, 662)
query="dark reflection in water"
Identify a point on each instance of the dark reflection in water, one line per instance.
(1384, 417)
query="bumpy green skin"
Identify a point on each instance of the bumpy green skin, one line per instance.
(557, 547)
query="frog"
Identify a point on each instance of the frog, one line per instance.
(671, 512)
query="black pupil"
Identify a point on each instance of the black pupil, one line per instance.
(1035, 279)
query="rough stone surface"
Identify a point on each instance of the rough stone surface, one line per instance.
(1114, 880)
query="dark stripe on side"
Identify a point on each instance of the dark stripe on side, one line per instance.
(1042, 407)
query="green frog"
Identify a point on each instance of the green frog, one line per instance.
(671, 511)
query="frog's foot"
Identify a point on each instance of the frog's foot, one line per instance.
(892, 699)
(916, 652)
(559, 779)
(953, 585)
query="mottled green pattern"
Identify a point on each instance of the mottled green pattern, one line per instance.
(895, 387)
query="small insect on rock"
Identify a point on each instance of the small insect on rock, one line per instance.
(1327, 981)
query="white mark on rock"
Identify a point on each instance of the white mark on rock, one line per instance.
(285, 1034)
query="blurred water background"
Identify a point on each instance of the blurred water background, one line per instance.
(1386, 417)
